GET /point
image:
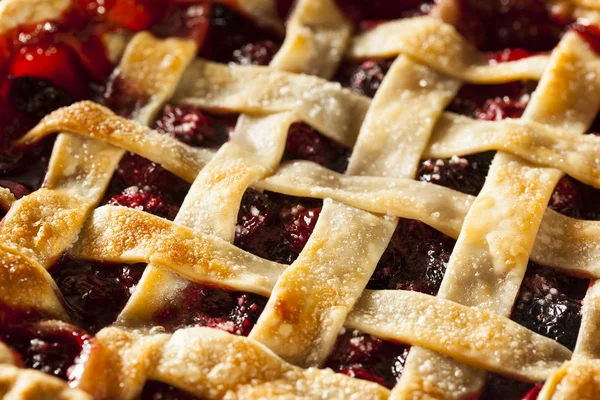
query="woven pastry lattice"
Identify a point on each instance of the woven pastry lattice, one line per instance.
(457, 337)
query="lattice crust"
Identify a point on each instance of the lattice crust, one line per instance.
(218, 365)
(390, 314)
(462, 333)
(17, 383)
(439, 207)
(505, 267)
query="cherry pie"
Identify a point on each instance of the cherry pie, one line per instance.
(299, 199)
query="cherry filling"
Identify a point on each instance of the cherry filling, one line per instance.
(365, 13)
(25, 101)
(363, 77)
(485, 102)
(500, 24)
(95, 293)
(54, 349)
(213, 307)
(144, 185)
(232, 37)
(415, 259)
(154, 390)
(501, 388)
(549, 303)
(194, 126)
(306, 143)
(275, 226)
(363, 356)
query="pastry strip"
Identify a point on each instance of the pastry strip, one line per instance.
(223, 365)
(403, 316)
(491, 262)
(438, 45)
(317, 35)
(326, 106)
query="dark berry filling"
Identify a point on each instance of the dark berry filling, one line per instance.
(549, 303)
(363, 77)
(257, 53)
(230, 33)
(415, 259)
(366, 357)
(466, 174)
(188, 21)
(502, 388)
(213, 307)
(493, 102)
(364, 13)
(95, 293)
(138, 199)
(145, 185)
(154, 390)
(306, 143)
(122, 96)
(53, 350)
(576, 200)
(275, 226)
(484, 102)
(500, 24)
(194, 126)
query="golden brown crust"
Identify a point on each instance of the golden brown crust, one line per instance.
(223, 365)
(576, 379)
(26, 286)
(96, 122)
(26, 384)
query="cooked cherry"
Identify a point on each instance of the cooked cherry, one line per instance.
(259, 53)
(299, 225)
(500, 24)
(37, 97)
(575, 199)
(305, 143)
(54, 62)
(195, 127)
(54, 351)
(415, 259)
(566, 198)
(550, 304)
(95, 292)
(122, 96)
(188, 21)
(134, 197)
(466, 174)
(360, 11)
(501, 388)
(274, 226)
(230, 31)
(134, 170)
(27, 101)
(365, 77)
(366, 357)
(155, 390)
(493, 102)
(201, 305)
